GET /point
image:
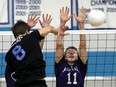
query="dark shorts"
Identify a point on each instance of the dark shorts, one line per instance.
(39, 83)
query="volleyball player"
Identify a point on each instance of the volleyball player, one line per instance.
(32, 21)
(25, 57)
(71, 65)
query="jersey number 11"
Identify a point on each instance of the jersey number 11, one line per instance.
(69, 78)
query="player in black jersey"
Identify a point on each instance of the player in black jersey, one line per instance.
(32, 21)
(25, 57)
(71, 65)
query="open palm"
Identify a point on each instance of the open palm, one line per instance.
(64, 14)
(46, 21)
(32, 20)
(81, 15)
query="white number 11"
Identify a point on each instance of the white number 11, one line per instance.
(69, 81)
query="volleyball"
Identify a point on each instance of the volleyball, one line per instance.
(96, 17)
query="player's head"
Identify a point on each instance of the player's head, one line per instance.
(71, 54)
(20, 28)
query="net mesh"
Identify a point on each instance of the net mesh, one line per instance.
(101, 54)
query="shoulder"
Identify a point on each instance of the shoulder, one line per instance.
(60, 63)
(35, 34)
(80, 63)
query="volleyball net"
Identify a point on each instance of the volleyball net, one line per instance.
(101, 54)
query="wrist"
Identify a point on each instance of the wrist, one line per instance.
(62, 24)
(54, 31)
(61, 30)
(81, 26)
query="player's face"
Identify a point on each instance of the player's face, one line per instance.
(71, 55)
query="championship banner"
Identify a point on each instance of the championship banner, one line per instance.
(4, 19)
(22, 8)
(107, 6)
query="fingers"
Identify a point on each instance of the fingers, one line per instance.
(47, 18)
(62, 10)
(75, 16)
(43, 17)
(50, 19)
(32, 20)
(40, 22)
(36, 19)
(83, 12)
(33, 17)
(66, 10)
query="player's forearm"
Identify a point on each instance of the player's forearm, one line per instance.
(81, 26)
(82, 36)
(83, 49)
(54, 31)
(59, 48)
(59, 52)
(47, 30)
(44, 31)
(59, 40)
(83, 52)
(83, 41)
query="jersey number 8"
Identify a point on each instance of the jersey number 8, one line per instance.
(18, 52)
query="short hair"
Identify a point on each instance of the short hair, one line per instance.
(20, 28)
(71, 47)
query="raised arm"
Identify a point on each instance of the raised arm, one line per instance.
(59, 40)
(82, 48)
(44, 23)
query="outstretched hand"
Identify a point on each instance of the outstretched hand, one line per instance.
(81, 15)
(46, 20)
(64, 15)
(32, 20)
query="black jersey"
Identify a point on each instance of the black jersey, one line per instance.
(26, 59)
(70, 75)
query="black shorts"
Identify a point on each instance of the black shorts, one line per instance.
(38, 83)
